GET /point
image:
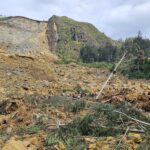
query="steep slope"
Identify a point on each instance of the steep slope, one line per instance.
(60, 35)
(67, 36)
(23, 35)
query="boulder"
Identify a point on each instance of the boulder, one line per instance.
(14, 145)
(135, 137)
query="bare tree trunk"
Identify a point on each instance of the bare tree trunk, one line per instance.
(110, 76)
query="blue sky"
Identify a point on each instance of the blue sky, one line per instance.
(116, 18)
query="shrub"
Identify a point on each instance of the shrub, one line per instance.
(51, 140)
(76, 107)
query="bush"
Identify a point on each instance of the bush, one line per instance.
(51, 140)
(131, 71)
(29, 130)
(75, 144)
(104, 120)
(106, 65)
(76, 107)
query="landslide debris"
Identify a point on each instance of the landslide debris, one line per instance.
(44, 105)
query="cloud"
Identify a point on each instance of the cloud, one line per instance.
(117, 18)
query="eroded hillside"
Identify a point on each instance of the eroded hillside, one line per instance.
(59, 35)
(38, 96)
(23, 36)
(46, 104)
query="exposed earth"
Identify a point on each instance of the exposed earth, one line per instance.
(39, 96)
(31, 88)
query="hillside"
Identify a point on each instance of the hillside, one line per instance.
(48, 104)
(22, 35)
(59, 35)
(67, 36)
(39, 98)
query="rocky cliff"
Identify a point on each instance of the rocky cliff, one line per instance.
(23, 35)
(67, 36)
(61, 35)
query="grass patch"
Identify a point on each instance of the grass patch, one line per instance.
(51, 140)
(76, 107)
(105, 121)
(75, 144)
(105, 65)
(32, 129)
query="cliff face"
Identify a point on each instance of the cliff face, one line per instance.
(60, 35)
(23, 35)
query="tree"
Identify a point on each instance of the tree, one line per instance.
(140, 59)
(89, 54)
(139, 34)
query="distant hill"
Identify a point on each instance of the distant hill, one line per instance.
(67, 36)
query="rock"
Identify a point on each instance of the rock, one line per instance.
(14, 145)
(60, 146)
(3, 119)
(9, 130)
(33, 141)
(135, 137)
(110, 138)
(92, 146)
(90, 140)
(103, 145)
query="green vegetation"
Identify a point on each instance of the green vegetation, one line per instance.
(65, 59)
(103, 64)
(104, 121)
(75, 35)
(51, 140)
(32, 129)
(75, 144)
(142, 72)
(89, 54)
(76, 107)
(83, 44)
(2, 17)
(145, 145)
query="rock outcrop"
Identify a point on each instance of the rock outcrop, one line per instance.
(67, 36)
(22, 35)
(59, 35)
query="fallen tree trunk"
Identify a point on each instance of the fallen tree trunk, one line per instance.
(110, 76)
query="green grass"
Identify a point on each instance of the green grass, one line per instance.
(66, 43)
(105, 121)
(76, 107)
(32, 129)
(105, 65)
(51, 140)
(67, 60)
(73, 143)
